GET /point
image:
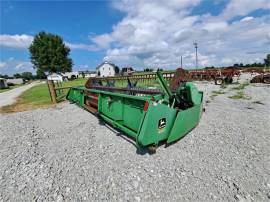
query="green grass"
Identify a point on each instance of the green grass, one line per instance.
(10, 88)
(216, 93)
(240, 95)
(37, 96)
(242, 86)
(240, 92)
(140, 83)
(76, 82)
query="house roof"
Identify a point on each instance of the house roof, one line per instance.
(113, 65)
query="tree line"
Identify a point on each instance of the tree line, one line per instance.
(25, 76)
(266, 63)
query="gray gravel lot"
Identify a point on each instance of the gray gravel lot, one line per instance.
(66, 154)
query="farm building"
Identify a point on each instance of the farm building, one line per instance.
(56, 77)
(3, 83)
(15, 81)
(127, 71)
(106, 69)
(71, 75)
(87, 74)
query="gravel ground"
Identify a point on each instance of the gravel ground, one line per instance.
(66, 154)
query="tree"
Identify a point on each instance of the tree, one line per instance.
(27, 75)
(267, 60)
(148, 70)
(5, 76)
(49, 53)
(41, 74)
(17, 75)
(117, 70)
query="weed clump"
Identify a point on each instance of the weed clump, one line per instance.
(240, 95)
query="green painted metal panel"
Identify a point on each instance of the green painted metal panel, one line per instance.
(193, 93)
(111, 106)
(132, 113)
(120, 126)
(76, 95)
(185, 121)
(152, 132)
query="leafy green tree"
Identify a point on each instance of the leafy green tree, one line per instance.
(5, 76)
(27, 75)
(40, 74)
(49, 53)
(267, 60)
(17, 75)
(148, 70)
(117, 70)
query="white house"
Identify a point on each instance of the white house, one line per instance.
(55, 77)
(106, 69)
(3, 83)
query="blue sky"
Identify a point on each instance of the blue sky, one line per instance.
(138, 33)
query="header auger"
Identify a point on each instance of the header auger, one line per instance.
(149, 116)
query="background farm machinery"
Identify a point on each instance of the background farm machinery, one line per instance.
(219, 76)
(259, 75)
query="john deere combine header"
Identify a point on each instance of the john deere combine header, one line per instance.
(149, 116)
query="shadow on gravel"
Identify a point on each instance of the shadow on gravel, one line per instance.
(119, 133)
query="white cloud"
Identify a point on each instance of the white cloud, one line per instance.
(247, 19)
(24, 41)
(214, 26)
(102, 41)
(80, 46)
(12, 66)
(16, 41)
(243, 7)
(157, 33)
(3, 64)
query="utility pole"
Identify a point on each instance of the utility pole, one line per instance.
(181, 62)
(196, 47)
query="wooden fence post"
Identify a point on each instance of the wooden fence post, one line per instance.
(52, 91)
